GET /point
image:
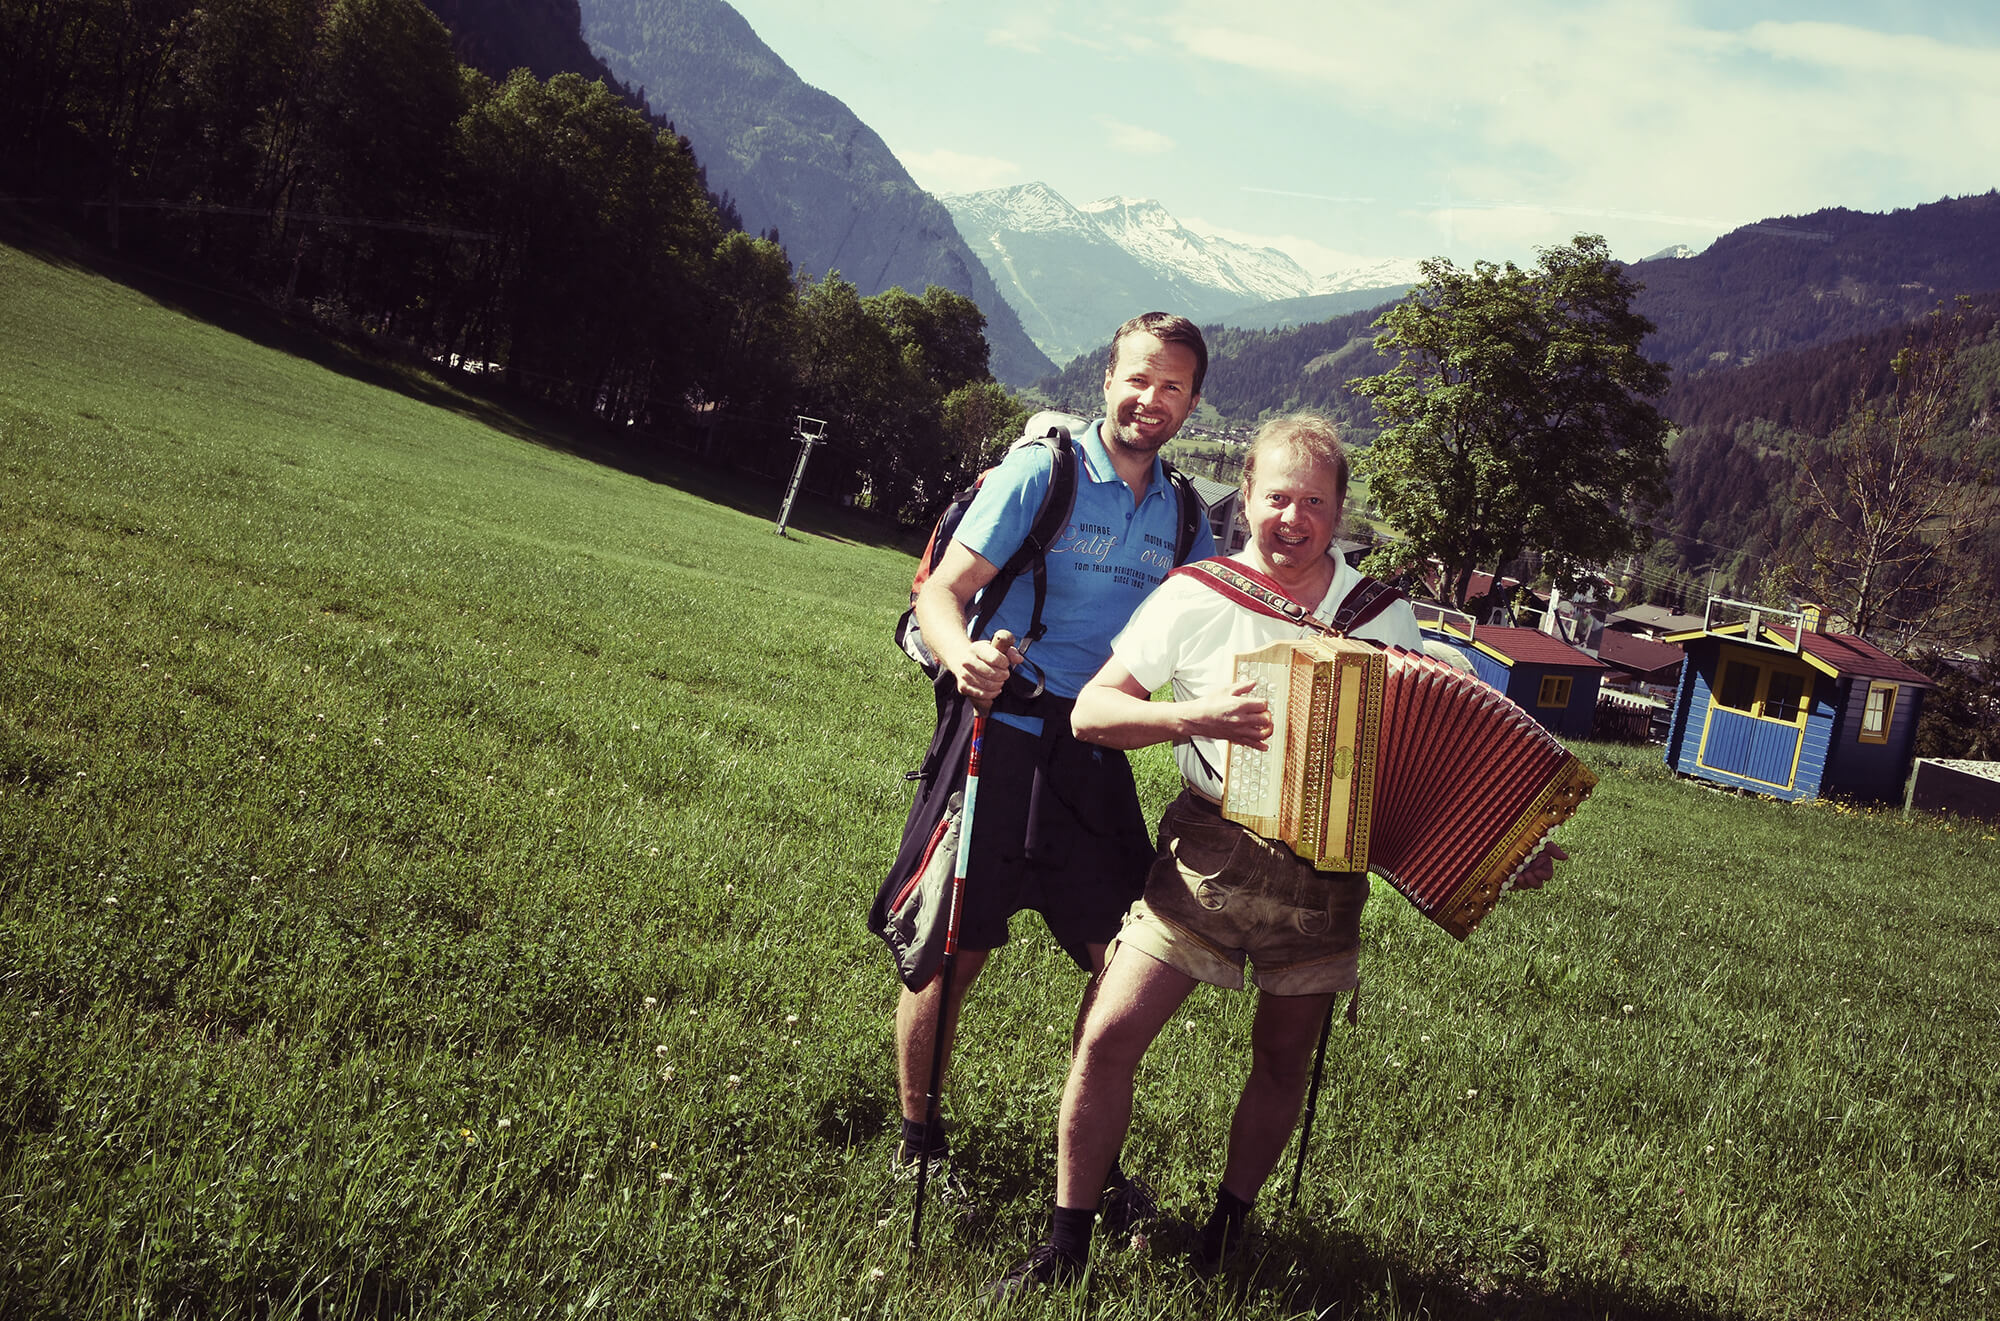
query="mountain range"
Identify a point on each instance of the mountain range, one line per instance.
(1075, 272)
(796, 160)
(1791, 282)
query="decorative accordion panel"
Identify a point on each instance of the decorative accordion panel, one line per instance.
(1387, 760)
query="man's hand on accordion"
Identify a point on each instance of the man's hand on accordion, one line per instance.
(1542, 866)
(1234, 716)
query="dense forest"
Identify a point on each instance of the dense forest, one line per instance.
(337, 162)
(1743, 436)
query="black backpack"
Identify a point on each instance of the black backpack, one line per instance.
(1053, 431)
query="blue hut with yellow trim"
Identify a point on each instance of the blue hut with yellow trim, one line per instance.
(1769, 703)
(1547, 677)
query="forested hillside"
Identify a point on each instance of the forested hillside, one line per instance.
(1797, 281)
(346, 172)
(545, 37)
(797, 162)
(1743, 434)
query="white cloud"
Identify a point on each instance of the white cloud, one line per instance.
(1134, 139)
(947, 171)
(1023, 36)
(1629, 111)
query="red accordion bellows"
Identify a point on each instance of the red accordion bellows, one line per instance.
(1464, 789)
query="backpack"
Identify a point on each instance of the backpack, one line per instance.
(1052, 431)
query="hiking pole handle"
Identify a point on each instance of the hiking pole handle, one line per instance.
(1003, 641)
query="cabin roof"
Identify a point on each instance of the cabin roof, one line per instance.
(1212, 492)
(1627, 651)
(1836, 654)
(1656, 617)
(1517, 645)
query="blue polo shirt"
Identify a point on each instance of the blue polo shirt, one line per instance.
(1100, 567)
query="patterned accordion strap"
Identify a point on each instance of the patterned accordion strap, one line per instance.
(1261, 594)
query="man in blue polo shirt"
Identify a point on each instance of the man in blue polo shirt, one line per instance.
(1058, 828)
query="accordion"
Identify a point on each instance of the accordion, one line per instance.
(1390, 761)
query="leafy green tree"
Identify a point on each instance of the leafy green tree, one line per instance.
(1898, 537)
(898, 379)
(1517, 416)
(980, 419)
(379, 109)
(941, 335)
(1962, 714)
(604, 230)
(745, 359)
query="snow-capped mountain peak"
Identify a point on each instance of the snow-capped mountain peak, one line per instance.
(1075, 272)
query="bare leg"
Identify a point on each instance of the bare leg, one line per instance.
(1096, 953)
(1135, 998)
(916, 1027)
(1281, 1044)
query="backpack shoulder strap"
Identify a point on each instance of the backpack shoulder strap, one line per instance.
(1051, 517)
(1193, 513)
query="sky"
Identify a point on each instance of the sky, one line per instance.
(1345, 133)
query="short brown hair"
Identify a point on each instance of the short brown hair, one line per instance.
(1309, 436)
(1168, 329)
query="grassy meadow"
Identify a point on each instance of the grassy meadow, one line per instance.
(432, 870)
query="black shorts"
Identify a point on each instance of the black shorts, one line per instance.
(1056, 827)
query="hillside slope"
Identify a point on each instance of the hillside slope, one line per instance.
(796, 159)
(1795, 281)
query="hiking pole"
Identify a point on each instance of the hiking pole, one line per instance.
(1312, 1103)
(1003, 639)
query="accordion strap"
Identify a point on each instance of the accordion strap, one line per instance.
(1261, 594)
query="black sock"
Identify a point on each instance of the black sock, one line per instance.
(1224, 1229)
(1070, 1234)
(1115, 1178)
(913, 1140)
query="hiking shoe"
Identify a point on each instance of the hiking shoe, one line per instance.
(1216, 1242)
(1127, 1207)
(943, 1179)
(1044, 1268)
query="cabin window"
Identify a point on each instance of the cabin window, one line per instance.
(1739, 685)
(1555, 690)
(1880, 712)
(1777, 689)
(1782, 695)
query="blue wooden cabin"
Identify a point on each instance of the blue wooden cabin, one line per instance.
(1771, 704)
(1545, 676)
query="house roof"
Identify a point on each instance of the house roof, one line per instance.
(1481, 582)
(1656, 617)
(1836, 654)
(1849, 654)
(1512, 646)
(1626, 651)
(1212, 492)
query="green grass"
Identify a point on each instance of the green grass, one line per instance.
(431, 879)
